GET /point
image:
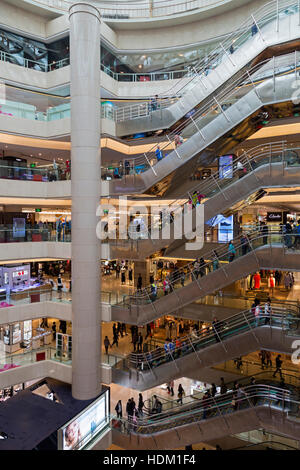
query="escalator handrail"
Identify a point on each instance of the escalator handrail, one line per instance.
(268, 393)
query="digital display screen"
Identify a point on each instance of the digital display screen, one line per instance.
(78, 432)
(18, 228)
(225, 232)
(225, 166)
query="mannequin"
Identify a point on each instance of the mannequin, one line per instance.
(257, 280)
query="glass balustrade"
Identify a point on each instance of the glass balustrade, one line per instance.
(21, 235)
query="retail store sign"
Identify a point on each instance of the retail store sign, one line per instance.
(274, 216)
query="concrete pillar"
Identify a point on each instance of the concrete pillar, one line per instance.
(86, 177)
(141, 267)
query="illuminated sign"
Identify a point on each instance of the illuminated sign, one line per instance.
(84, 427)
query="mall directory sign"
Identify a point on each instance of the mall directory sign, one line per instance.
(84, 427)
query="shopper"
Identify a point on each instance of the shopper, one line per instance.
(196, 270)
(115, 338)
(140, 343)
(245, 244)
(180, 393)
(59, 286)
(170, 388)
(140, 405)
(213, 390)
(264, 232)
(153, 291)
(118, 409)
(158, 154)
(148, 331)
(155, 404)
(54, 330)
(166, 286)
(231, 251)
(135, 339)
(216, 328)
(278, 362)
(106, 344)
(223, 386)
(262, 355)
(269, 359)
(205, 403)
(139, 282)
(268, 312)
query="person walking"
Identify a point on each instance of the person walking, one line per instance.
(140, 343)
(262, 355)
(257, 312)
(118, 409)
(171, 388)
(223, 386)
(135, 340)
(158, 154)
(59, 286)
(269, 359)
(180, 393)
(140, 404)
(231, 252)
(139, 282)
(268, 311)
(115, 338)
(54, 330)
(278, 363)
(106, 344)
(167, 286)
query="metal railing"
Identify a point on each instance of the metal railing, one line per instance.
(270, 12)
(158, 76)
(34, 64)
(11, 361)
(48, 293)
(161, 75)
(138, 9)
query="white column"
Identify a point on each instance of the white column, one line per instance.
(85, 180)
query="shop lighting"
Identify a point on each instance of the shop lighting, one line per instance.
(33, 211)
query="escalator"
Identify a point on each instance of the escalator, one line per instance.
(266, 28)
(232, 115)
(266, 404)
(256, 251)
(265, 166)
(237, 336)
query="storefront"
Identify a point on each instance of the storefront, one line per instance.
(16, 283)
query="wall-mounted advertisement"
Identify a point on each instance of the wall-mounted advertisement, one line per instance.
(225, 166)
(18, 227)
(225, 232)
(84, 427)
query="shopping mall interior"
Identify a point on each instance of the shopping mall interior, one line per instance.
(150, 225)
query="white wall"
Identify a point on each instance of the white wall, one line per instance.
(34, 250)
(47, 368)
(141, 37)
(36, 189)
(32, 311)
